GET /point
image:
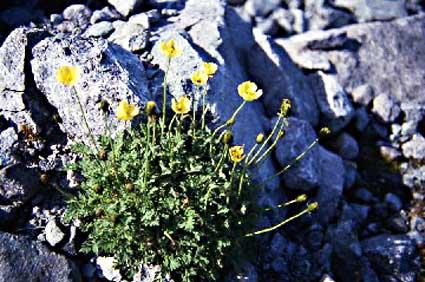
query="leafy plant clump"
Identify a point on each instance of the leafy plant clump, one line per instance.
(171, 192)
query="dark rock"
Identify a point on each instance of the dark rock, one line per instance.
(24, 260)
(350, 174)
(386, 108)
(20, 15)
(321, 16)
(100, 63)
(346, 146)
(374, 10)
(393, 257)
(393, 202)
(363, 195)
(397, 224)
(18, 184)
(361, 119)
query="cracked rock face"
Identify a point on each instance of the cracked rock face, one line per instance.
(108, 72)
(18, 255)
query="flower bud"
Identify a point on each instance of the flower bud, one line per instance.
(102, 154)
(325, 131)
(285, 107)
(129, 187)
(301, 198)
(313, 206)
(227, 137)
(99, 212)
(104, 106)
(260, 138)
(44, 179)
(56, 118)
(230, 121)
(281, 133)
(97, 188)
(150, 108)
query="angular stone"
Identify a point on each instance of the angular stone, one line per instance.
(366, 10)
(363, 94)
(99, 29)
(105, 14)
(260, 7)
(346, 146)
(125, 7)
(78, 14)
(18, 184)
(359, 60)
(386, 108)
(54, 234)
(415, 148)
(25, 260)
(106, 266)
(108, 73)
(8, 138)
(393, 257)
(333, 101)
(131, 36)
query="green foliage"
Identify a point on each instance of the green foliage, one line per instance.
(160, 200)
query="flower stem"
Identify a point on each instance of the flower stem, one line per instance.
(264, 155)
(83, 113)
(232, 176)
(164, 97)
(266, 141)
(278, 225)
(204, 93)
(245, 167)
(223, 155)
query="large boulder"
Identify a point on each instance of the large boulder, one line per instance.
(24, 260)
(108, 72)
(357, 53)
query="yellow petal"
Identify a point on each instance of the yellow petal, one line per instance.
(126, 111)
(68, 75)
(209, 68)
(199, 78)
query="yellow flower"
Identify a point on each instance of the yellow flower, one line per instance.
(68, 75)
(209, 68)
(170, 49)
(181, 106)
(249, 91)
(126, 111)
(236, 153)
(199, 78)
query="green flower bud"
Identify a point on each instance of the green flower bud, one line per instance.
(97, 188)
(227, 137)
(102, 154)
(285, 107)
(150, 108)
(260, 138)
(104, 106)
(129, 187)
(301, 198)
(230, 122)
(313, 206)
(325, 131)
(281, 133)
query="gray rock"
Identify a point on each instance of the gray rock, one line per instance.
(131, 36)
(346, 146)
(18, 184)
(413, 176)
(260, 7)
(54, 234)
(106, 266)
(415, 148)
(333, 101)
(78, 14)
(125, 7)
(8, 138)
(88, 270)
(361, 119)
(105, 14)
(359, 60)
(386, 108)
(270, 66)
(141, 19)
(56, 19)
(306, 173)
(364, 195)
(362, 94)
(101, 64)
(322, 16)
(393, 257)
(24, 260)
(100, 29)
(267, 26)
(374, 10)
(393, 202)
